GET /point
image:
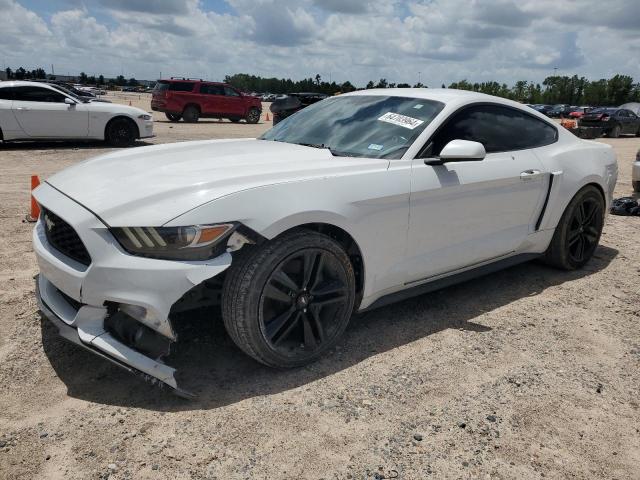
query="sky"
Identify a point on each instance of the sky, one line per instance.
(434, 41)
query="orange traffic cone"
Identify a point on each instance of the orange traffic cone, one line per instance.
(267, 119)
(129, 102)
(35, 208)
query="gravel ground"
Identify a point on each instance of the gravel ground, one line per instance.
(527, 373)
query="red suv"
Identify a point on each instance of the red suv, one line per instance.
(192, 99)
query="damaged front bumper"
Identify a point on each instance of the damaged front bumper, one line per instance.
(82, 301)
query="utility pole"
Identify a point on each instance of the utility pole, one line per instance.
(419, 78)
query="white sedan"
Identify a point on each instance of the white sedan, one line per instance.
(351, 203)
(38, 111)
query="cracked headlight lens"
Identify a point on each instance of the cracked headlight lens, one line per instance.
(196, 242)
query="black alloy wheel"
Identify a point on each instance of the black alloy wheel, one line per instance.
(121, 132)
(578, 232)
(303, 301)
(584, 231)
(287, 301)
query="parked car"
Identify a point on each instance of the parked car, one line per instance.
(635, 173)
(37, 111)
(80, 94)
(356, 201)
(195, 99)
(613, 121)
(544, 109)
(560, 110)
(289, 104)
(578, 112)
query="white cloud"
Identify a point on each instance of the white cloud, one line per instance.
(445, 40)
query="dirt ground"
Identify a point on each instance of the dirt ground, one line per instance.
(527, 373)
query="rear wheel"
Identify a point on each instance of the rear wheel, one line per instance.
(174, 117)
(191, 114)
(615, 131)
(578, 232)
(253, 116)
(288, 301)
(121, 132)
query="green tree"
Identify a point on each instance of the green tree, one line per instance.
(83, 77)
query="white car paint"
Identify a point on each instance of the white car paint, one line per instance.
(635, 172)
(412, 222)
(28, 120)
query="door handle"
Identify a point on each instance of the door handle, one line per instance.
(529, 175)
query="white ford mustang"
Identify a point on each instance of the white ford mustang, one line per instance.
(347, 205)
(38, 111)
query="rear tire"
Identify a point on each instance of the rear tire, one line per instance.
(578, 231)
(288, 301)
(121, 132)
(615, 131)
(253, 116)
(173, 117)
(191, 114)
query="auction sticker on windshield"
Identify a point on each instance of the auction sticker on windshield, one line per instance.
(401, 120)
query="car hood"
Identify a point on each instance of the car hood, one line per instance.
(149, 186)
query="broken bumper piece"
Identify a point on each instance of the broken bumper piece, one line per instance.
(84, 327)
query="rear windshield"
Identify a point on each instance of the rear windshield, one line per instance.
(174, 86)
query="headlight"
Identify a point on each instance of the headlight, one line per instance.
(144, 117)
(197, 242)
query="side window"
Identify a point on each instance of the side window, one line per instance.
(211, 89)
(6, 93)
(38, 94)
(499, 129)
(230, 92)
(181, 86)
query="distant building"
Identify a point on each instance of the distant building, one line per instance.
(61, 78)
(3, 75)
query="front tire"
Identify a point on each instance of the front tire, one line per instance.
(578, 232)
(286, 302)
(121, 132)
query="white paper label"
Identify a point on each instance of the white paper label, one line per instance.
(401, 120)
(375, 146)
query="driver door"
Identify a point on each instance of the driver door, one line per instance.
(464, 213)
(42, 113)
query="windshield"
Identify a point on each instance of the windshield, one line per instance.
(358, 126)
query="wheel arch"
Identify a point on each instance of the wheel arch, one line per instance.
(119, 117)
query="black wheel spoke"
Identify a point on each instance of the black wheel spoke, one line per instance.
(317, 322)
(310, 341)
(273, 292)
(580, 215)
(329, 301)
(574, 236)
(275, 325)
(289, 328)
(311, 269)
(285, 280)
(590, 217)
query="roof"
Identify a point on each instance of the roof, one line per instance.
(23, 83)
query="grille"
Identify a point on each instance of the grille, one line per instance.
(64, 238)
